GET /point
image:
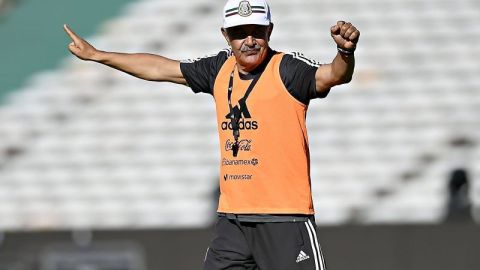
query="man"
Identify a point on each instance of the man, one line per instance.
(265, 209)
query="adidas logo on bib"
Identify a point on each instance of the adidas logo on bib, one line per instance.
(302, 256)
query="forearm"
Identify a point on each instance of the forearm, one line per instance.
(142, 65)
(342, 68)
(338, 72)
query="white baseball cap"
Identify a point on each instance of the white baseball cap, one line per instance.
(241, 12)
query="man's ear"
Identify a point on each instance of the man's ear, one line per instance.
(270, 29)
(225, 35)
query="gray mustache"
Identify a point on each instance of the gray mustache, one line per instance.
(245, 48)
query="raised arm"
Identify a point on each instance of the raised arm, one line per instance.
(141, 65)
(341, 69)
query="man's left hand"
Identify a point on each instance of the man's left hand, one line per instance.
(345, 35)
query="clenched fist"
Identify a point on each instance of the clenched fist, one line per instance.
(345, 35)
(79, 47)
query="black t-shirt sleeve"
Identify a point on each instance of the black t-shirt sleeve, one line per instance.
(201, 73)
(298, 76)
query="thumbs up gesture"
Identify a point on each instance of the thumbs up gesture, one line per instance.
(345, 35)
(79, 47)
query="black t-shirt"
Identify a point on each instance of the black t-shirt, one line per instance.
(297, 73)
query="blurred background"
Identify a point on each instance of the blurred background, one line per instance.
(100, 170)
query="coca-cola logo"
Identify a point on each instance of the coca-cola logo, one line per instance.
(243, 145)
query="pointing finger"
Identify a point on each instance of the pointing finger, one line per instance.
(71, 34)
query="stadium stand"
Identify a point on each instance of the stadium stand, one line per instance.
(88, 147)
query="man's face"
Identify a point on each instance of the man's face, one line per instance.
(249, 43)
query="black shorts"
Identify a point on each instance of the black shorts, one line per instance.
(264, 245)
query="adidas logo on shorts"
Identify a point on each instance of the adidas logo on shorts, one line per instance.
(302, 256)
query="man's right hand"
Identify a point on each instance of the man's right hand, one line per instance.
(79, 47)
